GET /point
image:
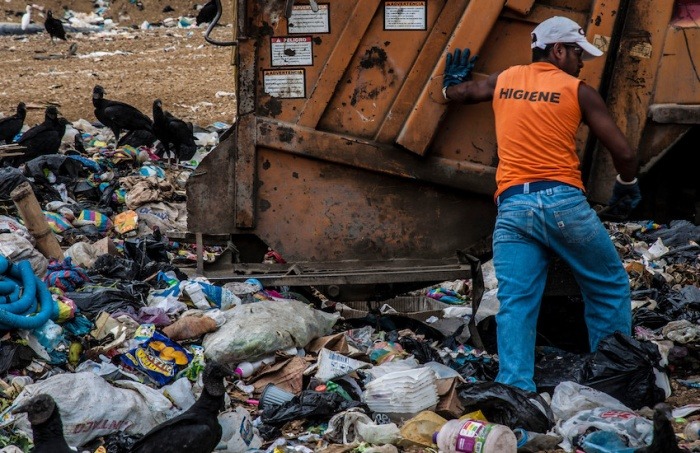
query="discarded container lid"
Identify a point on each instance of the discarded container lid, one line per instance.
(274, 396)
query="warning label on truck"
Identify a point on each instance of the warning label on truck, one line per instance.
(405, 15)
(285, 83)
(292, 51)
(306, 21)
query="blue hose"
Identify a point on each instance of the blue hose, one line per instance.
(21, 312)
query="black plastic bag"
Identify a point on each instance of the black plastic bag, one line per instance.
(506, 405)
(148, 248)
(95, 299)
(554, 366)
(114, 267)
(421, 350)
(14, 356)
(308, 405)
(650, 319)
(10, 178)
(623, 368)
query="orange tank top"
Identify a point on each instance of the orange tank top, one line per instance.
(537, 116)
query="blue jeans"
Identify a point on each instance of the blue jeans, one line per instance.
(529, 228)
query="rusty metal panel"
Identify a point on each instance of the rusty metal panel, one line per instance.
(341, 212)
(203, 215)
(245, 179)
(633, 82)
(471, 31)
(678, 80)
(366, 155)
(418, 75)
(374, 76)
(601, 24)
(320, 95)
(520, 6)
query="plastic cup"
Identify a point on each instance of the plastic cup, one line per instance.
(274, 396)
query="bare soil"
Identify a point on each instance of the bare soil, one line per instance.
(192, 78)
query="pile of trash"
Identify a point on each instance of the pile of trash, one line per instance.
(119, 332)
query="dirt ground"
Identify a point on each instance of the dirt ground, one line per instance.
(190, 76)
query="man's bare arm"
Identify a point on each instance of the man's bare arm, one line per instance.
(473, 91)
(597, 117)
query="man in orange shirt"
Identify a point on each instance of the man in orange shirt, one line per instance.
(542, 209)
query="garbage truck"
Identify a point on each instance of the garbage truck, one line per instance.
(345, 159)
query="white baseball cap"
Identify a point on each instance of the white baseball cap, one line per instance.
(563, 30)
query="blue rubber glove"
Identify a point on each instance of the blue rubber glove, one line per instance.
(625, 197)
(458, 67)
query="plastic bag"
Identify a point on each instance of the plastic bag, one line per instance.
(506, 405)
(16, 248)
(158, 357)
(14, 356)
(624, 368)
(309, 405)
(95, 299)
(255, 330)
(637, 431)
(103, 409)
(569, 398)
(238, 433)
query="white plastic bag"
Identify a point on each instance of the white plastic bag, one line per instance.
(238, 434)
(636, 430)
(252, 331)
(90, 407)
(569, 398)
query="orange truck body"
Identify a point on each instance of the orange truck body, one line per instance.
(343, 148)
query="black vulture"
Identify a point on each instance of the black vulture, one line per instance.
(10, 126)
(78, 143)
(664, 440)
(54, 27)
(118, 115)
(207, 13)
(137, 138)
(47, 428)
(171, 130)
(44, 138)
(196, 430)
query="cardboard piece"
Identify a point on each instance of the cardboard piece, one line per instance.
(336, 343)
(287, 375)
(449, 406)
(105, 246)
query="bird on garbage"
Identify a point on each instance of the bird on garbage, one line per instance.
(118, 115)
(47, 427)
(78, 143)
(54, 27)
(172, 130)
(197, 430)
(207, 13)
(44, 138)
(664, 440)
(10, 126)
(26, 17)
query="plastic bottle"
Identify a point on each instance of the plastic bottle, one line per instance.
(246, 369)
(692, 431)
(471, 436)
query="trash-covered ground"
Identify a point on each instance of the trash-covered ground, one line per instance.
(122, 335)
(174, 64)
